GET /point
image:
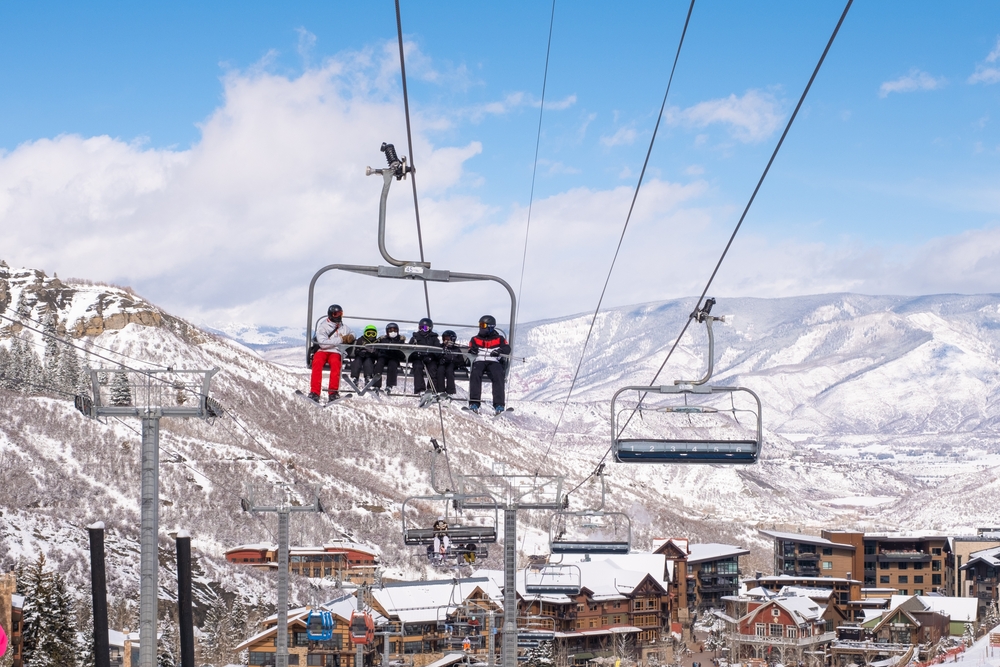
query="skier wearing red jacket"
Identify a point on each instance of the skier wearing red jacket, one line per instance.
(488, 346)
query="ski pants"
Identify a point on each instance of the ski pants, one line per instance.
(320, 359)
(419, 381)
(494, 369)
(445, 380)
(362, 364)
(393, 367)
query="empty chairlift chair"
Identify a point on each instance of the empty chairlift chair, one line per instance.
(590, 532)
(552, 579)
(689, 421)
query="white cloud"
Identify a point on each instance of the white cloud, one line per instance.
(915, 80)
(625, 136)
(235, 227)
(562, 104)
(750, 118)
(986, 71)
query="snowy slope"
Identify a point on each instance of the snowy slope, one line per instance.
(843, 378)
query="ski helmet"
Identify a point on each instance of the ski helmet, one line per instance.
(335, 312)
(449, 334)
(370, 329)
(487, 323)
(391, 327)
(425, 324)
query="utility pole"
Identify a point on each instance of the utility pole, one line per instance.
(149, 395)
(283, 509)
(512, 492)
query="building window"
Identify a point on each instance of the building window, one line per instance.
(903, 591)
(869, 549)
(918, 591)
(936, 551)
(791, 632)
(827, 551)
(936, 565)
(261, 658)
(827, 565)
(918, 566)
(903, 565)
(883, 565)
(775, 612)
(315, 659)
(918, 578)
(936, 579)
(884, 579)
(903, 579)
(293, 658)
(761, 630)
(777, 630)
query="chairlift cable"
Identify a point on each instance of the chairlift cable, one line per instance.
(621, 238)
(409, 143)
(534, 167)
(753, 195)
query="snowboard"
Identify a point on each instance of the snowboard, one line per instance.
(305, 397)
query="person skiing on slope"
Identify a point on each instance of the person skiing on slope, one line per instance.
(364, 357)
(389, 357)
(330, 335)
(427, 337)
(488, 346)
(452, 357)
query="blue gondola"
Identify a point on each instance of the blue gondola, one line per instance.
(319, 625)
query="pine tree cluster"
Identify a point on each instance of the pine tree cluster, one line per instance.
(57, 373)
(49, 623)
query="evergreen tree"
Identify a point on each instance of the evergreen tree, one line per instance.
(165, 646)
(49, 636)
(4, 366)
(85, 626)
(67, 377)
(62, 639)
(121, 393)
(216, 629)
(51, 355)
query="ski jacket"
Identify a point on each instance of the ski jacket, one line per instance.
(453, 353)
(488, 347)
(392, 353)
(359, 350)
(428, 338)
(329, 335)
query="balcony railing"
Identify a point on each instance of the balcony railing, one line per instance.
(913, 556)
(811, 640)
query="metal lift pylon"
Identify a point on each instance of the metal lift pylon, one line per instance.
(283, 509)
(512, 492)
(149, 395)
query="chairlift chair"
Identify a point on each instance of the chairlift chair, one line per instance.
(702, 442)
(552, 579)
(319, 625)
(397, 169)
(473, 526)
(590, 532)
(362, 628)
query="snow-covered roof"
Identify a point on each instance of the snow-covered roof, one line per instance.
(354, 546)
(17, 601)
(989, 556)
(700, 553)
(963, 610)
(806, 539)
(777, 579)
(116, 638)
(430, 601)
(803, 591)
(680, 542)
(653, 564)
(447, 660)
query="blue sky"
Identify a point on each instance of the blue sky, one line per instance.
(225, 139)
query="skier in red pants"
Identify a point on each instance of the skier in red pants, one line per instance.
(330, 334)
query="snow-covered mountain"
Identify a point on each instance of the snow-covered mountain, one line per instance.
(879, 413)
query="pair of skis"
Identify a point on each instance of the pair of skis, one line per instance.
(305, 397)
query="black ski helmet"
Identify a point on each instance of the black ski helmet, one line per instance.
(448, 333)
(335, 312)
(488, 322)
(392, 326)
(425, 321)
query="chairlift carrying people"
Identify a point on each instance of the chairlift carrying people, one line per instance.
(488, 346)
(452, 358)
(331, 333)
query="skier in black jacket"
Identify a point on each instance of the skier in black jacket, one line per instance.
(427, 337)
(452, 357)
(389, 357)
(488, 346)
(364, 357)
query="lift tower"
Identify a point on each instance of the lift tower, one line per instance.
(149, 395)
